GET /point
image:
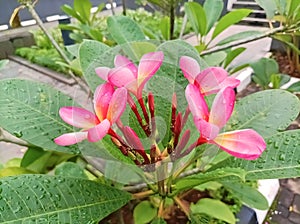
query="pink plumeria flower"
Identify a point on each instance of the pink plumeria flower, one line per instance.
(127, 74)
(210, 80)
(246, 144)
(109, 105)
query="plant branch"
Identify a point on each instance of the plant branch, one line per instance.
(143, 194)
(243, 41)
(40, 23)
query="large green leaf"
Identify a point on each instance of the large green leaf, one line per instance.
(125, 30)
(91, 56)
(50, 199)
(248, 195)
(213, 10)
(281, 159)
(241, 35)
(215, 175)
(197, 17)
(267, 112)
(209, 207)
(230, 19)
(29, 110)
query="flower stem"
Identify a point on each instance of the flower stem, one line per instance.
(184, 206)
(143, 194)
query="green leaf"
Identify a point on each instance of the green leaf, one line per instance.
(215, 59)
(240, 36)
(248, 195)
(197, 17)
(69, 169)
(73, 50)
(213, 10)
(280, 160)
(14, 171)
(292, 46)
(230, 19)
(200, 219)
(263, 112)
(209, 207)
(263, 69)
(269, 6)
(165, 27)
(144, 212)
(71, 12)
(295, 87)
(231, 55)
(215, 175)
(31, 113)
(90, 57)
(158, 221)
(83, 8)
(124, 30)
(36, 160)
(211, 185)
(51, 199)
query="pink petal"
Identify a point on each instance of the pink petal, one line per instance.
(196, 102)
(102, 97)
(121, 61)
(206, 129)
(210, 80)
(78, 117)
(70, 138)
(230, 82)
(102, 72)
(98, 132)
(189, 67)
(117, 105)
(148, 66)
(222, 107)
(245, 144)
(123, 77)
(132, 139)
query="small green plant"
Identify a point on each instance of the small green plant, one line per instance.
(267, 75)
(287, 13)
(88, 25)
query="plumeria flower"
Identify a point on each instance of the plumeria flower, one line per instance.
(127, 74)
(246, 144)
(109, 105)
(210, 80)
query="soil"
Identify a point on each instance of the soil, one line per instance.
(285, 66)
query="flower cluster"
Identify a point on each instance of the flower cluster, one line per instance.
(124, 84)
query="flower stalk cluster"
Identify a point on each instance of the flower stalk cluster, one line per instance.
(124, 85)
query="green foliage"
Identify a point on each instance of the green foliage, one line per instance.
(88, 26)
(69, 169)
(31, 113)
(262, 111)
(57, 199)
(204, 18)
(41, 161)
(210, 206)
(287, 12)
(144, 212)
(248, 195)
(266, 72)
